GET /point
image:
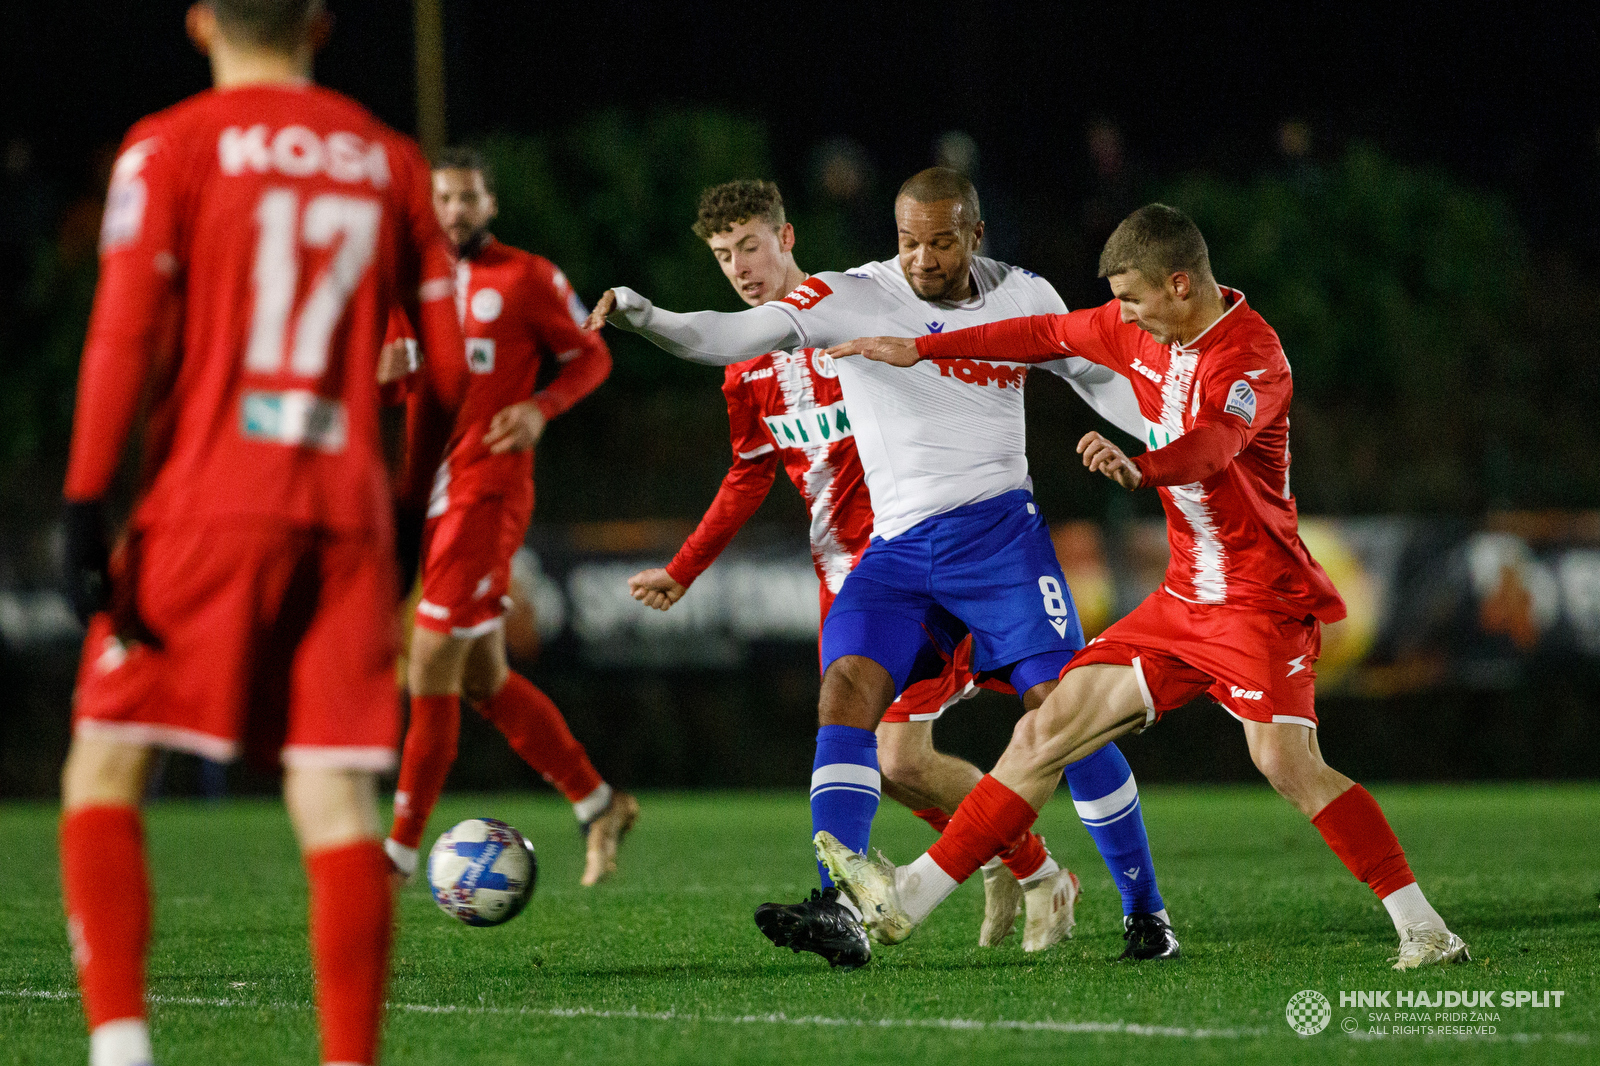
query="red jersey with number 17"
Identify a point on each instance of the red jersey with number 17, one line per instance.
(253, 243)
(1234, 536)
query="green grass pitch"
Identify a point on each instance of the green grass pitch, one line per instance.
(663, 965)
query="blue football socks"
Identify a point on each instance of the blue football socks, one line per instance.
(1107, 798)
(845, 787)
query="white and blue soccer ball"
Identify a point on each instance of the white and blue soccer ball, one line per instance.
(482, 871)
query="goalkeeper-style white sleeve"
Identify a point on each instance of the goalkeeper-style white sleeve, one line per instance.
(714, 337)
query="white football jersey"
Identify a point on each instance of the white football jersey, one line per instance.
(937, 435)
(931, 437)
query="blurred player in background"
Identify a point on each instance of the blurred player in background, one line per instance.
(958, 545)
(1238, 616)
(788, 408)
(255, 237)
(516, 310)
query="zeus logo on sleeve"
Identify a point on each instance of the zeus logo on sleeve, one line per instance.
(1241, 401)
(807, 293)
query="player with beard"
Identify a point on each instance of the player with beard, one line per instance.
(786, 408)
(958, 545)
(516, 311)
(1239, 614)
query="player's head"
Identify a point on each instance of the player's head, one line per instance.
(463, 196)
(1157, 264)
(743, 223)
(291, 28)
(940, 228)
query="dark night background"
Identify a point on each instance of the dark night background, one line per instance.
(1410, 193)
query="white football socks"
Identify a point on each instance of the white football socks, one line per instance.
(404, 858)
(589, 808)
(1048, 868)
(124, 1042)
(922, 886)
(1409, 909)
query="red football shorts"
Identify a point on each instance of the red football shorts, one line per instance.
(261, 638)
(1256, 664)
(466, 565)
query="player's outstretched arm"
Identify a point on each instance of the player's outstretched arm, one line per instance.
(896, 351)
(716, 338)
(656, 588)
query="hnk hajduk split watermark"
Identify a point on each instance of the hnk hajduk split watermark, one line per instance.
(1416, 1012)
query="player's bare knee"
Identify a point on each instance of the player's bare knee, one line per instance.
(855, 692)
(102, 772)
(331, 807)
(481, 683)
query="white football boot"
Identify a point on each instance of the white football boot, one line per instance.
(1002, 902)
(870, 886)
(1421, 946)
(1050, 906)
(402, 862)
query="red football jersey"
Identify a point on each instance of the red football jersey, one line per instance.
(254, 240)
(516, 310)
(1235, 536)
(788, 405)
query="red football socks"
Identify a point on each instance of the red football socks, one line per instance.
(425, 761)
(350, 928)
(1023, 858)
(988, 820)
(108, 908)
(1356, 830)
(537, 732)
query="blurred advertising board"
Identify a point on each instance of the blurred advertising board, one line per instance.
(1434, 602)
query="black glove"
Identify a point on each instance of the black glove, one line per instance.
(408, 522)
(88, 558)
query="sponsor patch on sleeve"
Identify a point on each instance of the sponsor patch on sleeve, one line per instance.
(126, 199)
(808, 294)
(1241, 401)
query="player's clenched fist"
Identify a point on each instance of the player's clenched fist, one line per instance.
(516, 428)
(655, 588)
(602, 307)
(896, 351)
(1103, 457)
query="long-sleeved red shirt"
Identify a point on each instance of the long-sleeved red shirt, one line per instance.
(516, 310)
(1233, 527)
(253, 242)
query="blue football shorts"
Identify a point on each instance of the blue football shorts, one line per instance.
(988, 568)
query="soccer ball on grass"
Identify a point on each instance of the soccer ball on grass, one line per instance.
(482, 871)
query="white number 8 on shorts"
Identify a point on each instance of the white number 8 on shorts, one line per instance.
(1054, 604)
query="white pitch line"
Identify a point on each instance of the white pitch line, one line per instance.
(1118, 1028)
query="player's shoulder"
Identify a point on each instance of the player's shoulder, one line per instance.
(1028, 288)
(864, 286)
(1245, 333)
(530, 266)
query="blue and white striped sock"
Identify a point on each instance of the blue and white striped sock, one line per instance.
(1107, 798)
(845, 786)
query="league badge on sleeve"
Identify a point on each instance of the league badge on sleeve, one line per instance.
(1241, 401)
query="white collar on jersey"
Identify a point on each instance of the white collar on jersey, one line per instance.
(1195, 344)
